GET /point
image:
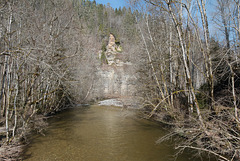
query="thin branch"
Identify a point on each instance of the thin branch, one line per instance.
(206, 150)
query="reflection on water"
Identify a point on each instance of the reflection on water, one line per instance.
(101, 133)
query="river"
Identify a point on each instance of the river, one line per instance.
(100, 133)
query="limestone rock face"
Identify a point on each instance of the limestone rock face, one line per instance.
(115, 78)
(115, 82)
(111, 43)
(113, 52)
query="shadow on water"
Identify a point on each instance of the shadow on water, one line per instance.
(98, 133)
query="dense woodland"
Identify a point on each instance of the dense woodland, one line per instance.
(194, 73)
(188, 77)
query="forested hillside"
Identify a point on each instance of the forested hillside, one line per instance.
(186, 76)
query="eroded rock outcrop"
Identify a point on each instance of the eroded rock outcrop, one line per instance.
(111, 43)
(116, 78)
(113, 53)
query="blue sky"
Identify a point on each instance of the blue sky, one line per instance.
(114, 3)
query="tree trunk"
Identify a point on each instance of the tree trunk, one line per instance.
(151, 64)
(202, 10)
(187, 71)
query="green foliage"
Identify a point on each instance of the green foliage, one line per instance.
(118, 12)
(129, 25)
(104, 47)
(94, 2)
(119, 49)
(101, 20)
(104, 58)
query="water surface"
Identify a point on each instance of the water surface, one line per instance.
(100, 133)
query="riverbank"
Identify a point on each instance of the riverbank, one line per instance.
(11, 152)
(15, 148)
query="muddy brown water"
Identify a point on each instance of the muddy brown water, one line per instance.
(100, 133)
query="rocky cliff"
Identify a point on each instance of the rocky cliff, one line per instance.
(115, 78)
